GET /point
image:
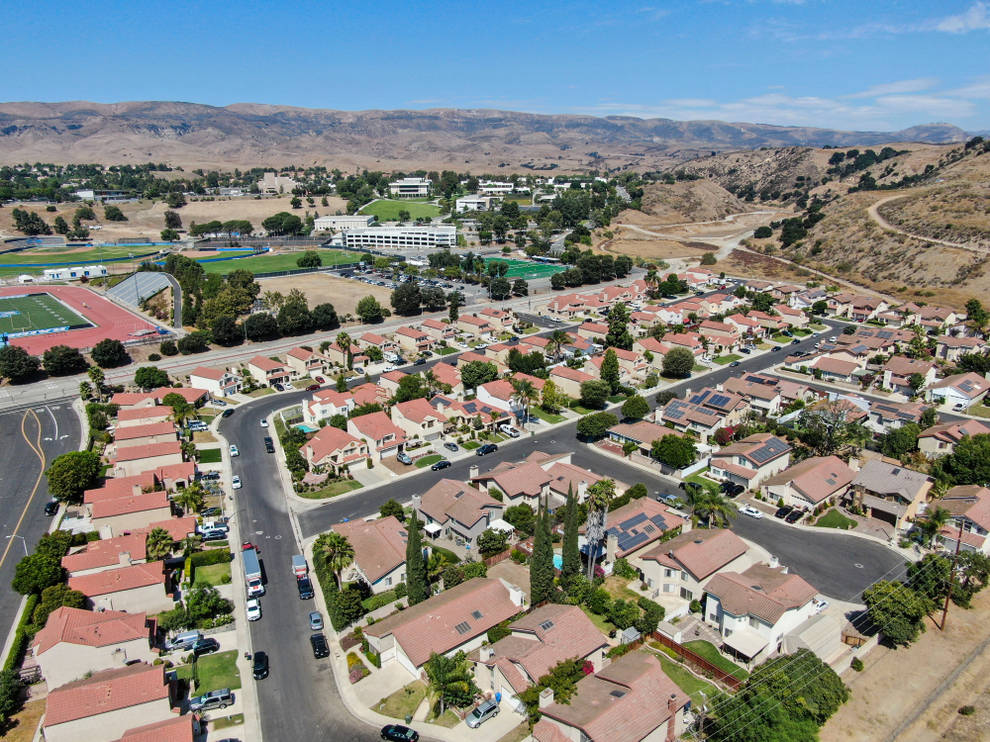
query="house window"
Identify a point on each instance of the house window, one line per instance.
(668, 573)
(754, 622)
(388, 580)
(668, 588)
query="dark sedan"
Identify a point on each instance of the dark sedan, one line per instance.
(260, 667)
(486, 449)
(205, 646)
(399, 733)
(320, 647)
(794, 516)
(441, 464)
(783, 512)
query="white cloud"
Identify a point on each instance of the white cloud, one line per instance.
(976, 18)
(901, 86)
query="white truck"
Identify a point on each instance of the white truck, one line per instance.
(299, 566)
(252, 573)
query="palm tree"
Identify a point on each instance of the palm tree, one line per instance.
(432, 382)
(344, 341)
(718, 509)
(158, 544)
(557, 340)
(98, 378)
(934, 520)
(439, 561)
(451, 679)
(525, 394)
(191, 498)
(599, 496)
(189, 545)
(337, 553)
(652, 279)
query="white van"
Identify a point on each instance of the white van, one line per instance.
(183, 641)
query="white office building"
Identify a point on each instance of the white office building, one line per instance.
(337, 223)
(473, 203)
(500, 188)
(401, 237)
(410, 188)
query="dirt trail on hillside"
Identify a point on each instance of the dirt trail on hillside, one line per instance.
(874, 213)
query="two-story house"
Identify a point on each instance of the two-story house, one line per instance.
(457, 510)
(418, 419)
(379, 552)
(888, 491)
(970, 508)
(335, 449)
(810, 483)
(267, 372)
(384, 437)
(219, 382)
(751, 460)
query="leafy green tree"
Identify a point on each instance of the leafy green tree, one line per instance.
(197, 341)
(451, 680)
(897, 610)
(204, 602)
(492, 541)
(618, 328)
(610, 370)
(594, 426)
(226, 331)
(191, 498)
(476, 373)
(541, 572)
(283, 223)
(175, 200)
(61, 226)
(294, 317)
(931, 577)
(969, 462)
(336, 552)
(181, 409)
(109, 353)
(551, 398)
(595, 393)
(37, 571)
(309, 259)
(370, 311)
(524, 393)
(172, 220)
(520, 287)
(17, 364)
(150, 377)
(455, 300)
(54, 597)
(562, 678)
(418, 589)
(522, 518)
(260, 327)
(113, 213)
(392, 507)
(635, 408)
(406, 298)
(71, 474)
(411, 386)
(61, 360)
(158, 544)
(928, 418)
(11, 692)
(677, 363)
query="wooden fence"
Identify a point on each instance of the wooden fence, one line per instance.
(706, 667)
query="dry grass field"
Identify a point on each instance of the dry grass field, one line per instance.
(343, 293)
(147, 218)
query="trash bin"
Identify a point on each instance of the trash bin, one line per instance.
(408, 718)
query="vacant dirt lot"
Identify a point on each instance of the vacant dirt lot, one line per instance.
(909, 695)
(147, 218)
(343, 293)
(651, 248)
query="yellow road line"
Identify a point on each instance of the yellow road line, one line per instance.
(36, 447)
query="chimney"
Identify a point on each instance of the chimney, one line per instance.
(774, 562)
(611, 544)
(473, 471)
(124, 558)
(417, 500)
(486, 653)
(546, 697)
(582, 490)
(672, 703)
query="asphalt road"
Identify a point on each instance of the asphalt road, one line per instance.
(29, 440)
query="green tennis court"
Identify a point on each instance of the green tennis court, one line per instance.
(36, 312)
(528, 269)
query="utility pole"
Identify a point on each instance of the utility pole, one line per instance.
(952, 575)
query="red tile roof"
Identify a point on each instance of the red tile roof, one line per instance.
(461, 502)
(176, 729)
(417, 410)
(377, 426)
(106, 552)
(206, 372)
(266, 364)
(91, 628)
(573, 374)
(118, 580)
(140, 431)
(136, 453)
(178, 528)
(762, 591)
(139, 413)
(124, 505)
(105, 691)
(379, 545)
(328, 441)
(700, 551)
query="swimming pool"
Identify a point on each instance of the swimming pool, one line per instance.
(558, 561)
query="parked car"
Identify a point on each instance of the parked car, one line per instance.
(183, 642)
(745, 351)
(312, 387)
(320, 647)
(227, 413)
(482, 713)
(441, 464)
(260, 667)
(752, 512)
(319, 380)
(795, 341)
(210, 512)
(278, 387)
(218, 403)
(234, 451)
(399, 733)
(486, 449)
(795, 516)
(668, 499)
(209, 475)
(775, 348)
(253, 609)
(215, 699)
(264, 423)
(269, 444)
(206, 645)
(419, 362)
(213, 534)
(235, 483)
(734, 364)
(403, 458)
(315, 621)
(783, 512)
(450, 446)
(305, 587)
(51, 507)
(508, 430)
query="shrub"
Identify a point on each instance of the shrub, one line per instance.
(206, 558)
(695, 607)
(856, 664)
(967, 710)
(624, 569)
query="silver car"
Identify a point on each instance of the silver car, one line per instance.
(482, 713)
(315, 621)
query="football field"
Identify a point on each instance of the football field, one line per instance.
(527, 269)
(39, 311)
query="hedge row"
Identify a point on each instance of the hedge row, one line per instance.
(207, 558)
(21, 635)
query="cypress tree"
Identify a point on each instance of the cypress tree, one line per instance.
(541, 575)
(572, 556)
(417, 588)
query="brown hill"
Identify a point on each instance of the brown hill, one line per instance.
(689, 201)
(477, 140)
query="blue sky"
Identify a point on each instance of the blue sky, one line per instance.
(852, 64)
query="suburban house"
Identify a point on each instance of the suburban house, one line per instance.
(412, 340)
(437, 330)
(143, 415)
(689, 340)
(500, 319)
(130, 460)
(565, 306)
(474, 325)
(729, 406)
(888, 491)
(952, 348)
(629, 700)
(634, 528)
(114, 516)
(418, 419)
(721, 337)
(885, 416)
(175, 729)
(154, 397)
(537, 643)
(76, 642)
(389, 382)
(107, 553)
(108, 703)
(569, 380)
(383, 436)
(267, 372)
(642, 433)
(334, 449)
(335, 354)
(970, 508)
(467, 412)
(754, 609)
(686, 417)
(680, 568)
(327, 403)
(379, 552)
(456, 620)
(654, 347)
(594, 331)
(304, 362)
(746, 326)
(829, 368)
(763, 397)
(793, 317)
(534, 344)
(809, 483)
(566, 476)
(940, 440)
(520, 483)
(898, 371)
(751, 460)
(500, 394)
(960, 391)
(138, 587)
(373, 339)
(219, 382)
(456, 510)
(144, 435)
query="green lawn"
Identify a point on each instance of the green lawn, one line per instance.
(280, 262)
(227, 721)
(699, 367)
(212, 574)
(685, 680)
(527, 268)
(403, 702)
(428, 460)
(38, 311)
(333, 489)
(215, 671)
(388, 210)
(781, 339)
(548, 417)
(703, 481)
(710, 652)
(600, 622)
(471, 445)
(210, 455)
(13, 263)
(446, 350)
(617, 588)
(834, 519)
(581, 410)
(801, 332)
(530, 330)
(979, 410)
(722, 360)
(261, 392)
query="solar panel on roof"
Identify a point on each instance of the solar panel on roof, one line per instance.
(659, 522)
(630, 522)
(476, 614)
(719, 400)
(546, 625)
(463, 627)
(632, 540)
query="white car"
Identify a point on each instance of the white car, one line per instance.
(752, 512)
(234, 451)
(235, 482)
(264, 423)
(253, 609)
